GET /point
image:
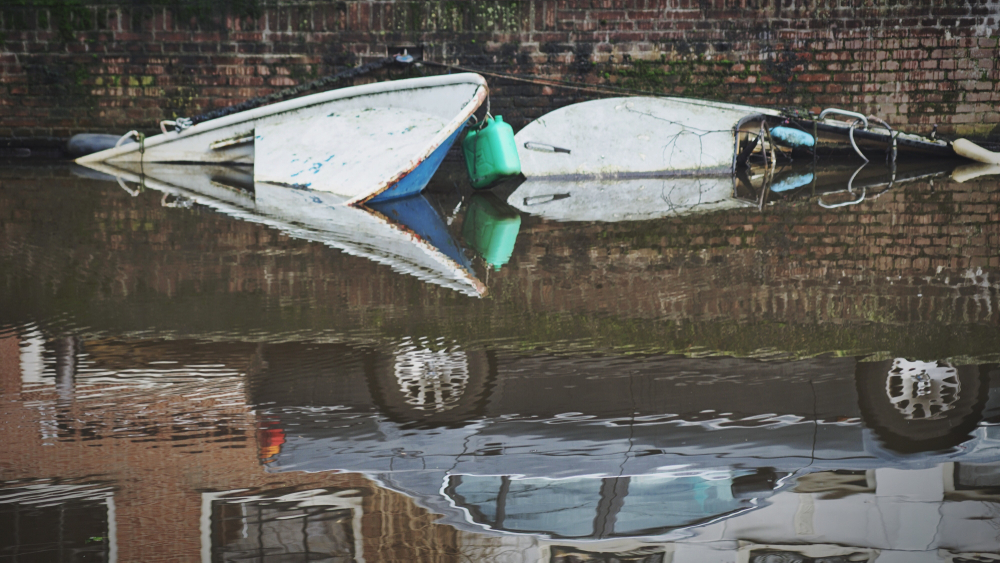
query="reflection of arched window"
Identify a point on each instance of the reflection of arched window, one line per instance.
(431, 380)
(589, 507)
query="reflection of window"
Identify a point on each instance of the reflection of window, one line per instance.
(299, 526)
(562, 554)
(977, 476)
(812, 554)
(563, 508)
(595, 508)
(56, 523)
(836, 484)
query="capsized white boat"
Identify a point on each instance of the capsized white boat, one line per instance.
(621, 137)
(375, 141)
(627, 199)
(406, 234)
(643, 137)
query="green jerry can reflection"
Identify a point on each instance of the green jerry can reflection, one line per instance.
(490, 153)
(491, 228)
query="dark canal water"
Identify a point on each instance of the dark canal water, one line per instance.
(190, 371)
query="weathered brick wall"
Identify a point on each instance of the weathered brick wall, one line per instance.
(71, 66)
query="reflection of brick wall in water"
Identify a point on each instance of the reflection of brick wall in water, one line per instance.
(920, 252)
(98, 65)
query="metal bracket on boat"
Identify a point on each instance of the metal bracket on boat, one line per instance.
(241, 139)
(850, 133)
(179, 124)
(844, 112)
(475, 123)
(133, 193)
(739, 157)
(541, 147)
(540, 199)
(141, 138)
(178, 201)
(130, 135)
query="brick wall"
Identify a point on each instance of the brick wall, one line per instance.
(93, 66)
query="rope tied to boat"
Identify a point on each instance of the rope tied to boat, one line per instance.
(475, 122)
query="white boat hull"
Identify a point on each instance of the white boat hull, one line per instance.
(360, 127)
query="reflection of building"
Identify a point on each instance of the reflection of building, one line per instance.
(145, 451)
(663, 459)
(667, 459)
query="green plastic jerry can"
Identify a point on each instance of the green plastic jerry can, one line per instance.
(491, 228)
(490, 152)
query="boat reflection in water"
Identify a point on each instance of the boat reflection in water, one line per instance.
(830, 182)
(633, 199)
(694, 457)
(405, 234)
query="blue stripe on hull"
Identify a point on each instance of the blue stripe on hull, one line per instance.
(415, 182)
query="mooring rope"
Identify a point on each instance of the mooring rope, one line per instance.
(540, 81)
